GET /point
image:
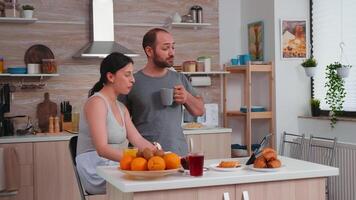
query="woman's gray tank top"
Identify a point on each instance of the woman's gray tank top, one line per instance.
(117, 136)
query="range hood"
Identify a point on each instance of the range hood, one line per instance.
(103, 33)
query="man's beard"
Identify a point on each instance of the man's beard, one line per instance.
(162, 63)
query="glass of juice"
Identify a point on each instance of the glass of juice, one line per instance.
(196, 164)
(131, 151)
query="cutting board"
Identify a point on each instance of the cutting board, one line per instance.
(44, 110)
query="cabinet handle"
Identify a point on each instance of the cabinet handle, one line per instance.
(245, 195)
(7, 194)
(226, 196)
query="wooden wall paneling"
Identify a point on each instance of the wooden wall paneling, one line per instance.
(77, 76)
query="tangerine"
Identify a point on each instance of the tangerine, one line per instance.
(139, 164)
(125, 162)
(172, 161)
(156, 163)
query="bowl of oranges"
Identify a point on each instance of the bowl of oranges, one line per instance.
(150, 163)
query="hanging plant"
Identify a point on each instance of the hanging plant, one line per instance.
(336, 93)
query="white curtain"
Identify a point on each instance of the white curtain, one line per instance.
(334, 21)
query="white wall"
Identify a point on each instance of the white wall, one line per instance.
(292, 86)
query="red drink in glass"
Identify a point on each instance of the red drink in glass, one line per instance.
(196, 163)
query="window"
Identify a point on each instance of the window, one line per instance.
(333, 22)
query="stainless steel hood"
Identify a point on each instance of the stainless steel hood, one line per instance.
(103, 33)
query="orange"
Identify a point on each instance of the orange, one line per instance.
(172, 161)
(139, 164)
(125, 162)
(156, 163)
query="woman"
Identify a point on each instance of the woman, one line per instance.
(106, 127)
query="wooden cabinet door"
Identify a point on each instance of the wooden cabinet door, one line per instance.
(25, 154)
(216, 192)
(53, 172)
(306, 189)
(214, 145)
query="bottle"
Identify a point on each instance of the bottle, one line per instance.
(56, 125)
(51, 125)
(2, 65)
(193, 13)
(199, 14)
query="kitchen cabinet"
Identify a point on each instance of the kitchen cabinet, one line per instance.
(25, 154)
(53, 172)
(213, 145)
(282, 190)
(247, 71)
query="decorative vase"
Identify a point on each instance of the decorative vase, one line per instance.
(315, 111)
(310, 71)
(343, 72)
(27, 14)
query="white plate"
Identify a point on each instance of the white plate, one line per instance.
(265, 169)
(215, 167)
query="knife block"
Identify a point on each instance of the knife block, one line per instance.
(66, 125)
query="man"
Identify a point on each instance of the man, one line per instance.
(156, 122)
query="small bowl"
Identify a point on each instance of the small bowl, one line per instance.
(17, 70)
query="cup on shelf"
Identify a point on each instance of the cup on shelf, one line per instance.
(33, 68)
(244, 59)
(234, 61)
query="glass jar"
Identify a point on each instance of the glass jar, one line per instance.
(49, 66)
(2, 66)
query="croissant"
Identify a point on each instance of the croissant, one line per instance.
(274, 164)
(269, 154)
(229, 164)
(260, 162)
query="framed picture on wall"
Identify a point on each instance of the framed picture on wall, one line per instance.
(255, 41)
(293, 39)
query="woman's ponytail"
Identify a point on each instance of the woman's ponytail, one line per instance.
(96, 88)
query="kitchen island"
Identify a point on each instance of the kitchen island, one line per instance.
(295, 180)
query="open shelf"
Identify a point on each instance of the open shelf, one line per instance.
(187, 25)
(253, 68)
(18, 20)
(206, 73)
(254, 115)
(28, 75)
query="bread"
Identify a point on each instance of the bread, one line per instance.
(228, 164)
(268, 159)
(274, 164)
(269, 154)
(260, 162)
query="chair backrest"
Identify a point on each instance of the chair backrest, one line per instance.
(73, 153)
(292, 145)
(322, 150)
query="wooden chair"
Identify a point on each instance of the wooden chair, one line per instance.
(292, 145)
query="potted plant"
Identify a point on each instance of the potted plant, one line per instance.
(309, 66)
(343, 70)
(27, 11)
(335, 94)
(315, 107)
